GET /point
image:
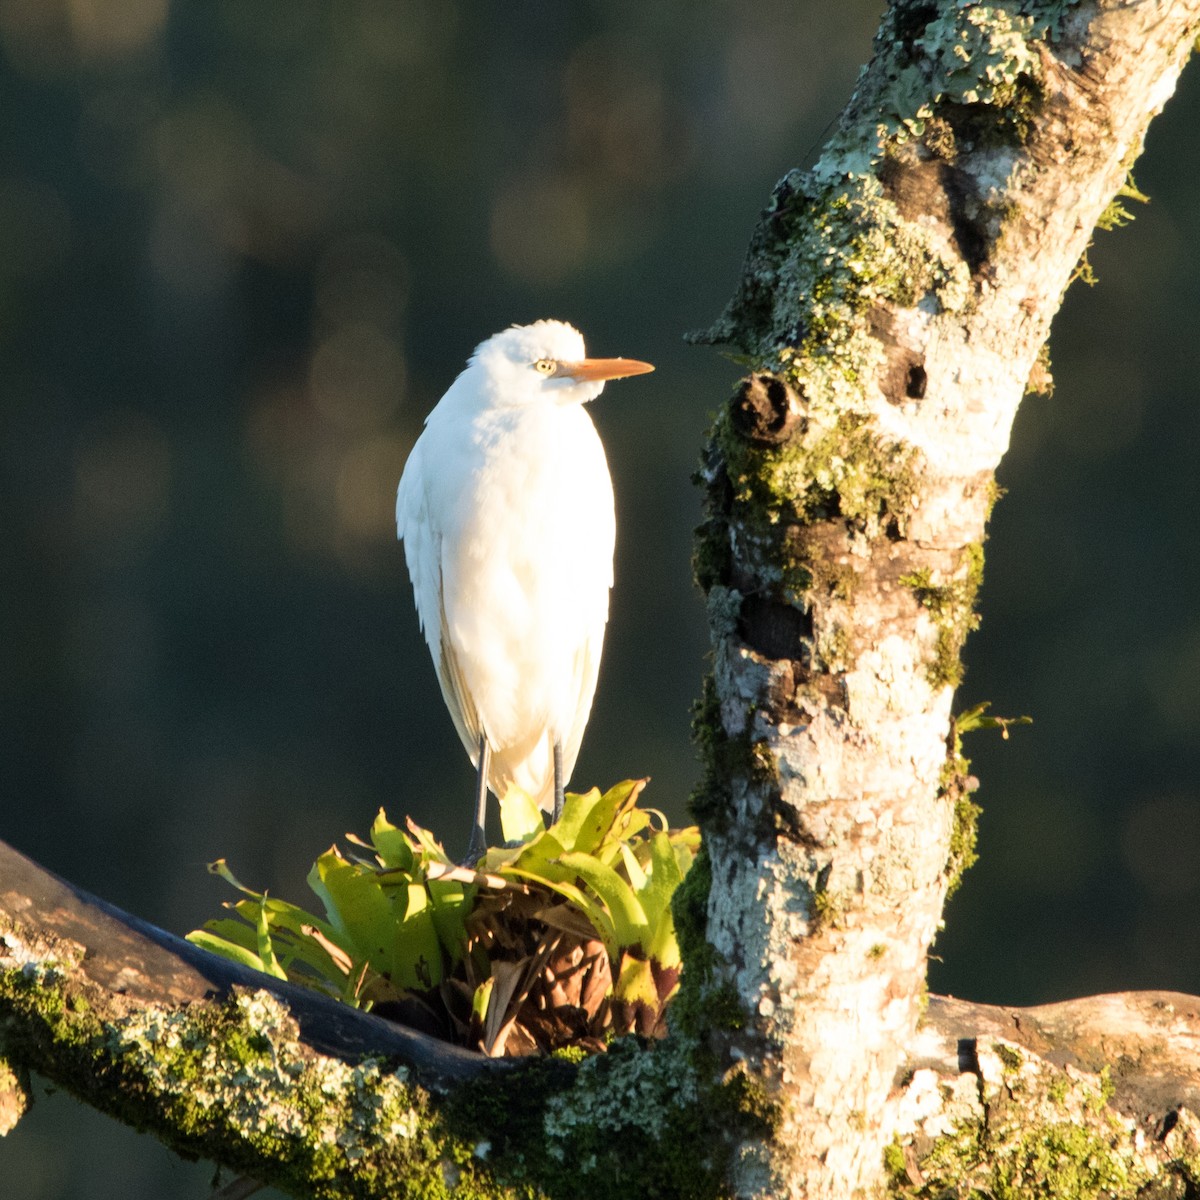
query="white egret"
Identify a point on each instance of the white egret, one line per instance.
(506, 511)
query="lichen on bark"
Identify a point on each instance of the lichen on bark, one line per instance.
(1016, 1126)
(233, 1082)
(15, 1096)
(893, 305)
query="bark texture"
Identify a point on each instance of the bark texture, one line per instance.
(892, 308)
(300, 1091)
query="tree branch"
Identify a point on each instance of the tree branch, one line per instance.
(323, 1100)
(123, 956)
(892, 308)
(293, 1089)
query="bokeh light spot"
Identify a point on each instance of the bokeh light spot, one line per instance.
(123, 479)
(540, 229)
(105, 29)
(357, 377)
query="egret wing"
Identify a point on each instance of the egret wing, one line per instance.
(423, 555)
(422, 545)
(586, 672)
(457, 697)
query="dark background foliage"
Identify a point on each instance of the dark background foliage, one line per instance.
(244, 248)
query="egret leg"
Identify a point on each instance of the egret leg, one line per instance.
(477, 846)
(559, 782)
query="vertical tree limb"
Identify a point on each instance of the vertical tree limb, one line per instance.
(893, 305)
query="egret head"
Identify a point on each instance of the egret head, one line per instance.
(546, 361)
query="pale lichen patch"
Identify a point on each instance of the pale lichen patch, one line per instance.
(15, 1096)
(1019, 1126)
(638, 1090)
(234, 1081)
(249, 1071)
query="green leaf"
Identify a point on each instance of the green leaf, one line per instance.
(685, 843)
(520, 817)
(499, 857)
(633, 869)
(481, 999)
(565, 886)
(293, 918)
(221, 868)
(226, 949)
(388, 928)
(416, 949)
(451, 905)
(975, 718)
(628, 916)
(356, 907)
(635, 985)
(664, 877)
(538, 855)
(394, 849)
(577, 807)
(429, 845)
(266, 952)
(235, 931)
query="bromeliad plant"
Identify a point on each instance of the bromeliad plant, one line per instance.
(564, 936)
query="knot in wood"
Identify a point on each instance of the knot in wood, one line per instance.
(767, 409)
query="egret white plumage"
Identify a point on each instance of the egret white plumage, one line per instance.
(506, 512)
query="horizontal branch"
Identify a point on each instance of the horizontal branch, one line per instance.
(1090, 1097)
(146, 965)
(302, 1091)
(1148, 1041)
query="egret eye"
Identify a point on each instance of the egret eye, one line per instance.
(545, 366)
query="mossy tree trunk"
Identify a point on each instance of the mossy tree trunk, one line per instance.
(894, 304)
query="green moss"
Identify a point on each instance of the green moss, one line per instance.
(722, 758)
(711, 555)
(841, 580)
(963, 839)
(231, 1082)
(1059, 1162)
(709, 802)
(701, 1003)
(828, 908)
(834, 648)
(1009, 1055)
(952, 606)
(1115, 214)
(847, 251)
(1042, 1135)
(969, 78)
(894, 1164)
(570, 1054)
(689, 906)
(838, 468)
(638, 1121)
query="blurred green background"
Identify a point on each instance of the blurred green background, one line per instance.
(243, 249)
